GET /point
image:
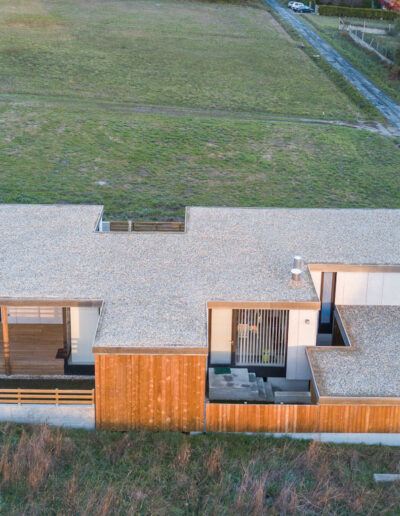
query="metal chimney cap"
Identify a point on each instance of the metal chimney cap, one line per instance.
(298, 262)
(296, 273)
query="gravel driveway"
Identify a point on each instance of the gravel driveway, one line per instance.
(388, 107)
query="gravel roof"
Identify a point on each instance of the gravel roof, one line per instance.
(370, 366)
(155, 285)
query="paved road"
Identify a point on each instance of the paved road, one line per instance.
(388, 107)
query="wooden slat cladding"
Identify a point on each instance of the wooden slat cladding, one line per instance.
(302, 418)
(147, 226)
(156, 392)
(119, 225)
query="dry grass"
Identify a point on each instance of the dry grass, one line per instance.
(33, 458)
(51, 471)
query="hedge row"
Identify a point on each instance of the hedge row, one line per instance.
(347, 3)
(356, 12)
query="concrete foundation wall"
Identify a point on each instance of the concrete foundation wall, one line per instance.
(385, 439)
(72, 416)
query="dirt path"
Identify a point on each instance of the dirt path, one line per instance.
(388, 107)
(37, 101)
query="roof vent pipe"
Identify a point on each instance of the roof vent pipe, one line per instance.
(298, 262)
(296, 274)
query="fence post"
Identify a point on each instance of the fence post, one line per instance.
(56, 396)
(19, 396)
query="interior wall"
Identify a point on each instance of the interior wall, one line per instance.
(84, 322)
(303, 329)
(221, 336)
(367, 288)
(316, 277)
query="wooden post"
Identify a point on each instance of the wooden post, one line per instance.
(6, 340)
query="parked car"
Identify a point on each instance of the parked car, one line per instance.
(293, 4)
(302, 9)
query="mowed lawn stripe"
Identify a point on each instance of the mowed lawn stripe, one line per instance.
(192, 54)
(152, 166)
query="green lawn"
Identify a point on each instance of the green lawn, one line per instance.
(170, 53)
(74, 74)
(154, 166)
(55, 472)
(366, 62)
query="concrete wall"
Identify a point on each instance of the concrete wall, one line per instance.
(34, 315)
(303, 329)
(367, 288)
(73, 416)
(84, 322)
(221, 336)
(345, 438)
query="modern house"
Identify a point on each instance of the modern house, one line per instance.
(253, 320)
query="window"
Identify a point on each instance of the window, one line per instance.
(260, 337)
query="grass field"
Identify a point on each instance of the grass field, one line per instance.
(75, 76)
(52, 472)
(170, 53)
(153, 166)
(368, 64)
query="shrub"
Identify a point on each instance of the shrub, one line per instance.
(355, 12)
(347, 3)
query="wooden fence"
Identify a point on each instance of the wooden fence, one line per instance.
(221, 417)
(130, 225)
(154, 392)
(48, 396)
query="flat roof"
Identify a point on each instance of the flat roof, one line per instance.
(155, 286)
(369, 367)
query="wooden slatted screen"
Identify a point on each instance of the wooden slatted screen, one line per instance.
(175, 227)
(119, 226)
(261, 337)
(221, 417)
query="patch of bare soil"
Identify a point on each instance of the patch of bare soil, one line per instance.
(34, 22)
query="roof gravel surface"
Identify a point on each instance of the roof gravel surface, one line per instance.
(155, 286)
(370, 366)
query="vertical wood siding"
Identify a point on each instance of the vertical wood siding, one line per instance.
(157, 392)
(302, 418)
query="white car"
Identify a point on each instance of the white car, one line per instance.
(292, 5)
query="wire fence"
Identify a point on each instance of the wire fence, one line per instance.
(363, 37)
